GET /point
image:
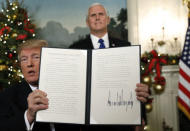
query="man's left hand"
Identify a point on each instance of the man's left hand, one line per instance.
(142, 92)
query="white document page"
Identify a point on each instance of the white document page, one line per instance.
(115, 73)
(63, 78)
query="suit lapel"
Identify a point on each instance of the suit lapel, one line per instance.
(25, 90)
(111, 43)
(90, 45)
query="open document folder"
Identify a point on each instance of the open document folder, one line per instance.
(91, 86)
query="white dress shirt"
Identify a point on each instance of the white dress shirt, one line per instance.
(95, 40)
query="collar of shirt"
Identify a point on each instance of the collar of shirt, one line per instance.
(95, 40)
(33, 87)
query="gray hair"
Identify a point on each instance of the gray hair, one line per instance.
(95, 4)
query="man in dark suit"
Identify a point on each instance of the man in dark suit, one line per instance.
(19, 103)
(15, 113)
(97, 20)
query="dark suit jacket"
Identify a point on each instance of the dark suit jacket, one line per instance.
(13, 104)
(87, 43)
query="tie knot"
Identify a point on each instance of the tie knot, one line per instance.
(101, 41)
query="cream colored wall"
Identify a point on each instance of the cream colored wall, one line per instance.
(147, 17)
(145, 20)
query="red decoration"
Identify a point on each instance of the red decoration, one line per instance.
(21, 37)
(156, 62)
(5, 28)
(149, 100)
(27, 24)
(160, 80)
(10, 55)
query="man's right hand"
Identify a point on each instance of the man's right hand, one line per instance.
(37, 100)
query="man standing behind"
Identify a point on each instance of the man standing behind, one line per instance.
(97, 20)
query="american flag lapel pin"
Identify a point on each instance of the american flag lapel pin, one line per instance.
(113, 45)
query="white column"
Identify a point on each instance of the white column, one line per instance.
(132, 13)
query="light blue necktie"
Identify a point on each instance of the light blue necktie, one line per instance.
(101, 44)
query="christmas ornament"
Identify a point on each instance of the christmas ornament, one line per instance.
(148, 107)
(158, 88)
(174, 62)
(6, 38)
(146, 79)
(14, 35)
(15, 4)
(5, 30)
(14, 17)
(155, 63)
(21, 37)
(10, 55)
(3, 67)
(8, 16)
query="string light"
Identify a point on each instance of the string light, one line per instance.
(20, 23)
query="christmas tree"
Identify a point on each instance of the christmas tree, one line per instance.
(15, 28)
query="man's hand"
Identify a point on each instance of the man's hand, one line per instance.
(142, 92)
(37, 100)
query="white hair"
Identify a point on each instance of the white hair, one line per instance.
(95, 4)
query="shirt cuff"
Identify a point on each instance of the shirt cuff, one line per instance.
(28, 126)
